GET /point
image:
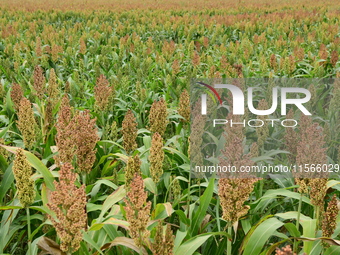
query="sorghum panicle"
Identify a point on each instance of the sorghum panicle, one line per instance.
(329, 222)
(334, 58)
(235, 190)
(156, 157)
(3, 151)
(158, 117)
(132, 168)
(68, 203)
(2, 91)
(176, 190)
(129, 131)
(39, 82)
(102, 92)
(52, 89)
(287, 250)
(138, 210)
(311, 148)
(48, 115)
(184, 105)
(16, 95)
(38, 50)
(82, 46)
(85, 138)
(64, 141)
(254, 150)
(26, 123)
(113, 133)
(22, 173)
(163, 243)
(196, 136)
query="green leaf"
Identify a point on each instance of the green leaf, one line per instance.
(309, 227)
(111, 221)
(87, 238)
(98, 184)
(6, 182)
(180, 235)
(163, 211)
(116, 196)
(182, 217)
(293, 215)
(9, 207)
(261, 235)
(190, 246)
(333, 250)
(277, 193)
(201, 211)
(332, 183)
(150, 185)
(180, 154)
(127, 242)
(292, 229)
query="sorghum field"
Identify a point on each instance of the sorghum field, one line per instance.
(95, 126)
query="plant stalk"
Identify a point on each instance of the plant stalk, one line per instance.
(29, 230)
(297, 223)
(155, 198)
(188, 203)
(84, 178)
(229, 241)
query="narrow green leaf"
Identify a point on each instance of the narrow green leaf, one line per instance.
(150, 185)
(292, 229)
(201, 212)
(9, 207)
(180, 235)
(116, 196)
(6, 182)
(333, 250)
(190, 246)
(127, 242)
(261, 235)
(87, 238)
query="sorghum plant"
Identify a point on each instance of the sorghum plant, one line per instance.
(64, 141)
(163, 243)
(329, 221)
(235, 190)
(158, 117)
(85, 138)
(52, 89)
(184, 106)
(68, 203)
(39, 82)
(138, 211)
(16, 95)
(129, 131)
(22, 171)
(26, 123)
(132, 168)
(102, 92)
(156, 157)
(311, 148)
